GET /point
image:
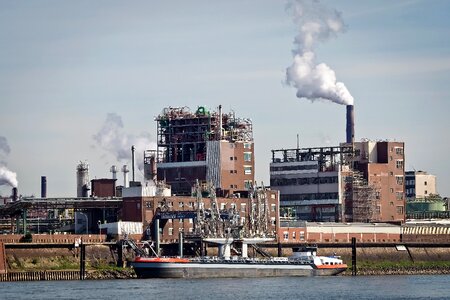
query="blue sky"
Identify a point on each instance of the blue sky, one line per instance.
(64, 65)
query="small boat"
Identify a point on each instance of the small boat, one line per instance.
(303, 262)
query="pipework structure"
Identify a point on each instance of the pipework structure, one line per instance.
(211, 146)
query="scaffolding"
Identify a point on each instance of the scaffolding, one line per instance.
(364, 200)
(182, 134)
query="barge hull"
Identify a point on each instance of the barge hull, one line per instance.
(146, 270)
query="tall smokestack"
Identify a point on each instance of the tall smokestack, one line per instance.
(43, 186)
(14, 194)
(350, 128)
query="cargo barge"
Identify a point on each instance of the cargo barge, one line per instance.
(303, 262)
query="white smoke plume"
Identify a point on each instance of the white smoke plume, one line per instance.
(7, 177)
(316, 23)
(114, 140)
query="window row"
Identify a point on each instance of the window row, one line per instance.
(303, 181)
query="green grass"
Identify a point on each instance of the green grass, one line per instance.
(390, 265)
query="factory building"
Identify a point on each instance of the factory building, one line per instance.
(419, 184)
(355, 182)
(310, 181)
(382, 165)
(212, 147)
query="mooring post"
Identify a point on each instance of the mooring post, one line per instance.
(353, 256)
(180, 243)
(82, 261)
(280, 250)
(202, 249)
(120, 254)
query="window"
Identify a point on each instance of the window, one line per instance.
(399, 151)
(190, 220)
(247, 184)
(399, 180)
(191, 230)
(243, 207)
(399, 164)
(399, 195)
(231, 186)
(170, 231)
(231, 171)
(247, 170)
(170, 221)
(391, 190)
(294, 235)
(235, 158)
(242, 220)
(400, 210)
(286, 235)
(377, 195)
(302, 235)
(425, 183)
(426, 192)
(231, 157)
(247, 146)
(273, 207)
(247, 156)
(180, 204)
(273, 221)
(233, 206)
(138, 205)
(222, 206)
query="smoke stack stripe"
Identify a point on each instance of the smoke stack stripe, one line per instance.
(350, 128)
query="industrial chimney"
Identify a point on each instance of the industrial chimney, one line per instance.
(350, 128)
(125, 176)
(82, 179)
(15, 194)
(113, 170)
(43, 186)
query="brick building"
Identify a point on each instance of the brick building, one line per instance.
(142, 207)
(212, 147)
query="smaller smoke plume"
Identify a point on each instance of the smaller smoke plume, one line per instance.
(316, 23)
(4, 147)
(8, 177)
(112, 139)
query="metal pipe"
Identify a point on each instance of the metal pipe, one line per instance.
(157, 236)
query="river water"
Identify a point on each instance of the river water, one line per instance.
(340, 287)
